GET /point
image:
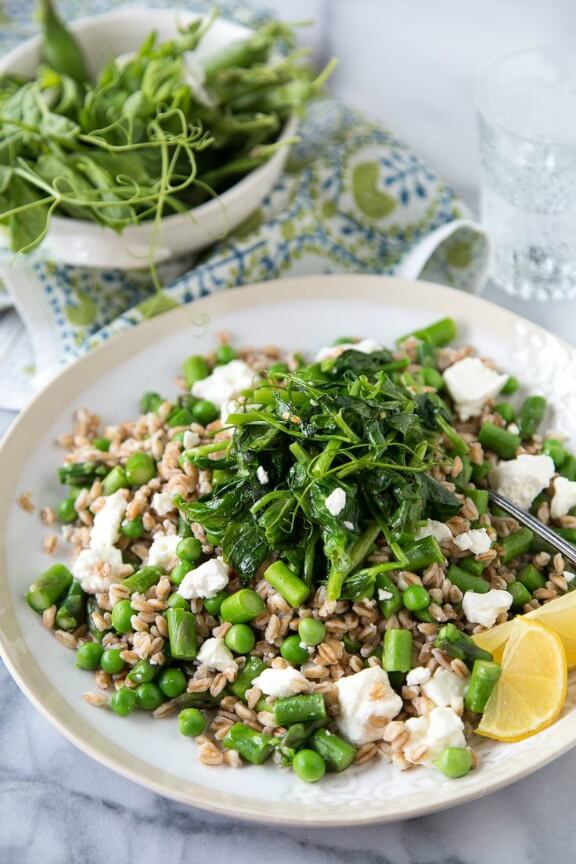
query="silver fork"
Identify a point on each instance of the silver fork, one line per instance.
(529, 521)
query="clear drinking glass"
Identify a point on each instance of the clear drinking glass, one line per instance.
(527, 128)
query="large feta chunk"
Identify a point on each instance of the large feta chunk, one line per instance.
(485, 608)
(477, 541)
(443, 687)
(335, 502)
(280, 683)
(429, 735)
(162, 552)
(215, 654)
(106, 527)
(432, 528)
(162, 503)
(225, 382)
(564, 497)
(97, 568)
(367, 704)
(471, 383)
(523, 478)
(332, 352)
(206, 580)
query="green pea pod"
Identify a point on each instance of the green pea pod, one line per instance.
(60, 49)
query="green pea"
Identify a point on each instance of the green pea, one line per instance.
(140, 468)
(212, 604)
(132, 528)
(292, 652)
(114, 480)
(66, 511)
(191, 722)
(224, 354)
(123, 701)
(142, 673)
(175, 601)
(240, 638)
(311, 631)
(179, 572)
(122, 616)
(204, 412)
(309, 766)
(172, 682)
(454, 762)
(102, 444)
(416, 598)
(88, 656)
(194, 369)
(149, 697)
(189, 549)
(111, 661)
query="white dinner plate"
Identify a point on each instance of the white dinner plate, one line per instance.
(301, 314)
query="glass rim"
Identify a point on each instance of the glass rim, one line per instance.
(482, 81)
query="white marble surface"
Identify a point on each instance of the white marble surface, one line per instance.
(412, 63)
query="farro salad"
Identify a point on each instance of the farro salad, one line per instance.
(300, 559)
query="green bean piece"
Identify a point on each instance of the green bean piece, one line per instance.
(88, 656)
(483, 679)
(439, 333)
(568, 534)
(293, 589)
(467, 581)
(432, 378)
(423, 553)
(516, 544)
(500, 441)
(472, 565)
(511, 386)
(454, 762)
(480, 472)
(457, 644)
(337, 753)
(123, 701)
(479, 497)
(194, 369)
(530, 416)
(181, 634)
(308, 766)
(143, 672)
(242, 606)
(140, 469)
(556, 450)
(520, 594)
(311, 631)
(416, 598)
(465, 475)
(149, 697)
(114, 480)
(59, 48)
(531, 578)
(299, 709)
(150, 402)
(180, 416)
(72, 610)
(142, 580)
(251, 669)
(506, 411)
(66, 511)
(397, 655)
(122, 612)
(291, 650)
(91, 608)
(457, 443)
(392, 604)
(254, 747)
(176, 601)
(191, 722)
(49, 587)
(568, 468)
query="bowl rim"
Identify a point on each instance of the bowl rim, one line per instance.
(386, 291)
(65, 224)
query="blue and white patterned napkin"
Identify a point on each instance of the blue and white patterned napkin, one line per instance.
(353, 199)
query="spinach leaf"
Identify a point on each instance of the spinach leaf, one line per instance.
(245, 548)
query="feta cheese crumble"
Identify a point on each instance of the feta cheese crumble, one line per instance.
(477, 541)
(332, 352)
(471, 383)
(367, 704)
(440, 729)
(190, 439)
(434, 529)
(106, 527)
(225, 382)
(485, 608)
(97, 568)
(443, 687)
(564, 497)
(417, 676)
(215, 654)
(262, 476)
(280, 683)
(162, 552)
(383, 594)
(336, 501)
(162, 503)
(523, 478)
(206, 580)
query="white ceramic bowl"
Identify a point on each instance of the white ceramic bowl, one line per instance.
(301, 314)
(83, 243)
